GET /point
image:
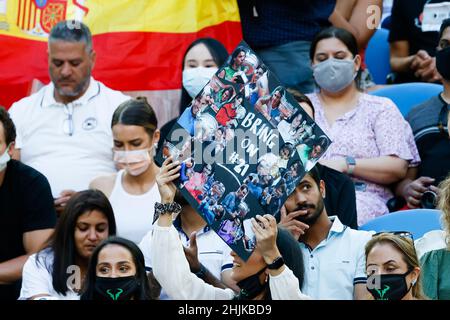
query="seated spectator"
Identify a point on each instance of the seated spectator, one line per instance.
(201, 61)
(132, 191)
(27, 214)
(392, 267)
(116, 271)
(359, 18)
(208, 256)
(371, 141)
(63, 130)
(429, 122)
(333, 253)
(56, 272)
(340, 199)
(412, 50)
(273, 271)
(435, 264)
(281, 32)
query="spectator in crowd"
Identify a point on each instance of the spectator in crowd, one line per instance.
(333, 253)
(57, 271)
(392, 267)
(116, 271)
(340, 199)
(281, 32)
(273, 271)
(132, 191)
(361, 19)
(63, 129)
(27, 214)
(201, 61)
(208, 255)
(371, 140)
(435, 264)
(204, 52)
(429, 122)
(412, 49)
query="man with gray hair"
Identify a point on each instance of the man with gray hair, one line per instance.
(63, 130)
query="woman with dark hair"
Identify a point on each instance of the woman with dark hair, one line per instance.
(57, 271)
(372, 142)
(132, 191)
(116, 271)
(273, 271)
(201, 61)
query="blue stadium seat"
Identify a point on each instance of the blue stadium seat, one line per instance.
(408, 95)
(377, 56)
(416, 221)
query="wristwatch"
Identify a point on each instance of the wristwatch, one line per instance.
(163, 208)
(201, 273)
(351, 163)
(276, 264)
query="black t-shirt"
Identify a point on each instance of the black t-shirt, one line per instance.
(406, 25)
(340, 198)
(26, 204)
(432, 142)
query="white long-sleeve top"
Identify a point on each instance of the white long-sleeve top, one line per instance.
(172, 271)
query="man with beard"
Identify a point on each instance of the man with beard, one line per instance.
(333, 253)
(64, 129)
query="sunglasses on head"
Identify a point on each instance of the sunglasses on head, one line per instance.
(402, 234)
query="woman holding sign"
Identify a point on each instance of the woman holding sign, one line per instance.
(372, 142)
(273, 271)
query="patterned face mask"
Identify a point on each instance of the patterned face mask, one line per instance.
(122, 288)
(390, 286)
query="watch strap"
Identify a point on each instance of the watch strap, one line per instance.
(276, 264)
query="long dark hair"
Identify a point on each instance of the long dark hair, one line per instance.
(62, 242)
(346, 37)
(219, 55)
(143, 292)
(136, 112)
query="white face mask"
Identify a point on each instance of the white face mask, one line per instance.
(194, 79)
(135, 162)
(4, 158)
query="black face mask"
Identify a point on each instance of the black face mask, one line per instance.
(391, 286)
(251, 286)
(121, 288)
(443, 62)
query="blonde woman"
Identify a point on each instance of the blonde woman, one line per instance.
(392, 267)
(436, 263)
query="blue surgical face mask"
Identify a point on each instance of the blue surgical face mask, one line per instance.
(333, 75)
(194, 79)
(4, 158)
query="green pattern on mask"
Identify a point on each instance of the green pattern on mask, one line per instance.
(117, 295)
(381, 293)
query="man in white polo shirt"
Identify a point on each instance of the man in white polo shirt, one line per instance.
(333, 253)
(64, 129)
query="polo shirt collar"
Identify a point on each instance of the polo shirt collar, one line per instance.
(177, 225)
(337, 227)
(48, 100)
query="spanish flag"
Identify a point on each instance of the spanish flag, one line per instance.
(139, 43)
